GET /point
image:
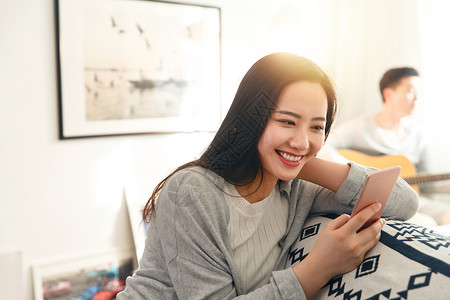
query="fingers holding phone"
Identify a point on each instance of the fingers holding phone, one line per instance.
(343, 243)
(365, 217)
(340, 248)
(368, 235)
(377, 188)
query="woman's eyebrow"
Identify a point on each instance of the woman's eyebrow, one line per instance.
(290, 113)
(295, 115)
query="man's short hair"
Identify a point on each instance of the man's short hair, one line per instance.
(391, 78)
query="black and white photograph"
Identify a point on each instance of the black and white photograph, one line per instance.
(131, 67)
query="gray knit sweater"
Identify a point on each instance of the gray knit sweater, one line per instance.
(187, 252)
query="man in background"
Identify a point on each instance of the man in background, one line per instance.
(391, 131)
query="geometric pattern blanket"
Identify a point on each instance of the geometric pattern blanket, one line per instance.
(408, 262)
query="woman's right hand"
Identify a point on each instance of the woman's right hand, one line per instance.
(339, 248)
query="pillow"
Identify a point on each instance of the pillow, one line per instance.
(409, 262)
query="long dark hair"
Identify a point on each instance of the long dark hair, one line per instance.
(233, 152)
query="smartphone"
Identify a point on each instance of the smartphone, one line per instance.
(377, 187)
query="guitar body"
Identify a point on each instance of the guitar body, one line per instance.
(408, 172)
(382, 162)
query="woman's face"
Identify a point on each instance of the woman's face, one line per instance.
(295, 131)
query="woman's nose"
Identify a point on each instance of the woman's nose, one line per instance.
(300, 140)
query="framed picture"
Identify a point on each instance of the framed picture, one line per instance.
(102, 275)
(136, 66)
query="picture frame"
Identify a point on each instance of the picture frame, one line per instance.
(137, 67)
(74, 277)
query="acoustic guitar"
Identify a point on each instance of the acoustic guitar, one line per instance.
(408, 172)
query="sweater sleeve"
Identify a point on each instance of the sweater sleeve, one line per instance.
(402, 203)
(189, 238)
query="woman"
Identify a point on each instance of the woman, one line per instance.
(223, 224)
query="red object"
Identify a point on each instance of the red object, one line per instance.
(112, 288)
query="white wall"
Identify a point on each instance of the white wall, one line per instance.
(64, 198)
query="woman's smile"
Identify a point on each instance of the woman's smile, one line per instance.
(289, 158)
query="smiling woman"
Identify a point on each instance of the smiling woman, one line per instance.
(295, 132)
(223, 225)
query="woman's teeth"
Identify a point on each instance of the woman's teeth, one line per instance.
(289, 157)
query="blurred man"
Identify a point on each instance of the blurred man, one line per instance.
(391, 131)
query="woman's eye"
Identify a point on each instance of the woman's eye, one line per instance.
(318, 128)
(287, 122)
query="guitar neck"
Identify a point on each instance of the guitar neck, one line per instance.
(420, 179)
(385, 161)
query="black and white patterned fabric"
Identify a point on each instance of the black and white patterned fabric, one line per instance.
(409, 262)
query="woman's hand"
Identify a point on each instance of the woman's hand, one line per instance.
(339, 248)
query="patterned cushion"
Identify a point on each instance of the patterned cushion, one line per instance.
(409, 262)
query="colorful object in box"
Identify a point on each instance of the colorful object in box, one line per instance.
(87, 294)
(111, 289)
(56, 289)
(113, 272)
